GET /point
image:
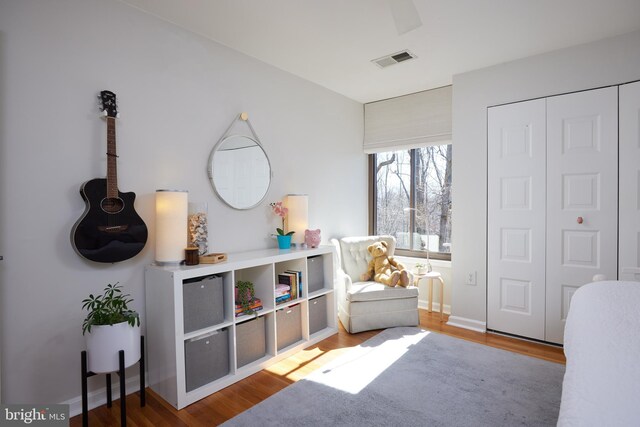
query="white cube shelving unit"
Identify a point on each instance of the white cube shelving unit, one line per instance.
(165, 312)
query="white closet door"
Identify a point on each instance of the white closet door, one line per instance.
(582, 197)
(629, 240)
(516, 219)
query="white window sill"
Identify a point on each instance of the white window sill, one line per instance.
(410, 262)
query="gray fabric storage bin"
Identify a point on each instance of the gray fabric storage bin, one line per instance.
(206, 358)
(317, 314)
(250, 341)
(315, 273)
(202, 303)
(289, 327)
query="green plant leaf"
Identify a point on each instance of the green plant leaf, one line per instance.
(246, 295)
(109, 308)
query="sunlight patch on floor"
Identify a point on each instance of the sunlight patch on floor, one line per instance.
(304, 362)
(364, 364)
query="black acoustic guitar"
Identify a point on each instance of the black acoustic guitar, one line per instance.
(110, 230)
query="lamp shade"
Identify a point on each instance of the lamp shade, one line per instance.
(298, 216)
(171, 226)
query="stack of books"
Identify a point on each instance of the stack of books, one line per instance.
(283, 293)
(256, 305)
(292, 280)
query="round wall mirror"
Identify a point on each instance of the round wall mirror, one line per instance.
(240, 171)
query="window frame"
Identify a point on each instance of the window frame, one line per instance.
(373, 197)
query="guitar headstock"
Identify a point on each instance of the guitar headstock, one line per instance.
(108, 103)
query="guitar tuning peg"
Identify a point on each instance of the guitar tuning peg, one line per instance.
(104, 113)
(117, 115)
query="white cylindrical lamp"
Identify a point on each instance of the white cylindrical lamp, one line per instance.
(172, 209)
(298, 216)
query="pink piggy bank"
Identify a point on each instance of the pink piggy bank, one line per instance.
(312, 238)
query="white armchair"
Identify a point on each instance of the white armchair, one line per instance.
(363, 306)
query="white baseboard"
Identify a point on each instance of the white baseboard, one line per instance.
(461, 322)
(98, 397)
(424, 304)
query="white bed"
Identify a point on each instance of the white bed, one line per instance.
(602, 343)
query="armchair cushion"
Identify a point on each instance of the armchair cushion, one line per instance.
(374, 291)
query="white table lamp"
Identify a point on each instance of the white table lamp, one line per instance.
(298, 216)
(171, 226)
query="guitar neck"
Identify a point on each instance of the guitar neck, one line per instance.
(112, 171)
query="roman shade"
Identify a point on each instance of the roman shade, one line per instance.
(411, 121)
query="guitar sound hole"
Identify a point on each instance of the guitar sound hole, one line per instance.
(112, 205)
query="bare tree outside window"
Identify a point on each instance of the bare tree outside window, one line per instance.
(393, 190)
(413, 197)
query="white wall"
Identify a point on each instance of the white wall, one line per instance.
(177, 92)
(607, 62)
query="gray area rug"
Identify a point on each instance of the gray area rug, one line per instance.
(412, 377)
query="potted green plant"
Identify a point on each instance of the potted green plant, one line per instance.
(284, 238)
(245, 294)
(421, 268)
(110, 326)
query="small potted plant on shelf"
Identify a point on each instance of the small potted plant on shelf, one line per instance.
(421, 268)
(110, 327)
(284, 238)
(245, 297)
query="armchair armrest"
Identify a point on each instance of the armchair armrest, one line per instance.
(343, 284)
(344, 279)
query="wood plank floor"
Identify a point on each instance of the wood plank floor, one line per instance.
(242, 395)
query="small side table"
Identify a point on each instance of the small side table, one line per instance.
(430, 276)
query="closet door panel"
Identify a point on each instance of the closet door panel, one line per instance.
(582, 197)
(516, 219)
(629, 215)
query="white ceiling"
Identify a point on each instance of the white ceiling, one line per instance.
(331, 42)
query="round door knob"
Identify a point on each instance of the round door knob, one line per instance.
(580, 220)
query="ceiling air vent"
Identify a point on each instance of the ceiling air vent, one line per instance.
(394, 58)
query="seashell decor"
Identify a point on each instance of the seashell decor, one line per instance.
(198, 228)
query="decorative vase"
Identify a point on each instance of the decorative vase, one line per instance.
(105, 341)
(198, 227)
(284, 242)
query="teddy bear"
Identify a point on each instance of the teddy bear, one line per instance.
(383, 268)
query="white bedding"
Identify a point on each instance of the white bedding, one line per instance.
(602, 343)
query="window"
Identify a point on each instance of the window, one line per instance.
(411, 199)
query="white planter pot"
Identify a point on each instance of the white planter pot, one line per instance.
(104, 343)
